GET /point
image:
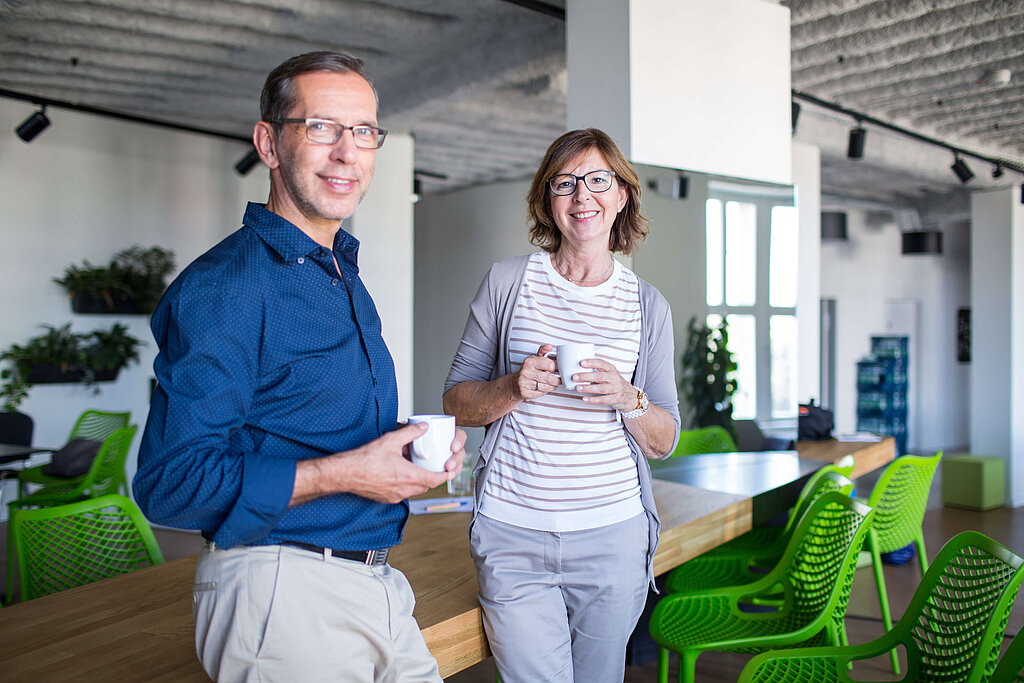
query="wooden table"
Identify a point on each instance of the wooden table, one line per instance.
(138, 627)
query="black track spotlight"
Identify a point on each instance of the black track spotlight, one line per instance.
(33, 125)
(997, 172)
(795, 114)
(246, 163)
(855, 149)
(962, 170)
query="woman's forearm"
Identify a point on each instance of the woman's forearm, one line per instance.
(654, 431)
(478, 404)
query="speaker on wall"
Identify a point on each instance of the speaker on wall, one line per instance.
(833, 225)
(922, 242)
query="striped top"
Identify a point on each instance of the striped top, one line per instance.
(561, 464)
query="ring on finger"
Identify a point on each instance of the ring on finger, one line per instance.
(537, 382)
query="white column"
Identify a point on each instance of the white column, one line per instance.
(997, 332)
(807, 195)
(383, 224)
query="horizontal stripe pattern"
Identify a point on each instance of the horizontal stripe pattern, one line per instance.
(561, 464)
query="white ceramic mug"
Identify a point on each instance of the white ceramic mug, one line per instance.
(568, 357)
(432, 449)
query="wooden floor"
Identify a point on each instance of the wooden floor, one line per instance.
(1006, 525)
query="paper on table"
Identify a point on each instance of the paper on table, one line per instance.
(859, 436)
(429, 506)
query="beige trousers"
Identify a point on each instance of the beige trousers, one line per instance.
(277, 613)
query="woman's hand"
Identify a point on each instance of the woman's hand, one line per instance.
(604, 385)
(537, 376)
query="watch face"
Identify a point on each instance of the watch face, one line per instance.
(643, 400)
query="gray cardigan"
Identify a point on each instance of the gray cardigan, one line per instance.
(483, 356)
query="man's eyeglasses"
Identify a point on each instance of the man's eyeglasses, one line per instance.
(596, 181)
(327, 132)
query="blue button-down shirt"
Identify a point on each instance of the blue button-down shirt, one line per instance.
(267, 356)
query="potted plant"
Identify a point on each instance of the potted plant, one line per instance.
(132, 283)
(707, 378)
(60, 355)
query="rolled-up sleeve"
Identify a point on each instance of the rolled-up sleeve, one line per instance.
(198, 466)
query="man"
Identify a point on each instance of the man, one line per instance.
(273, 426)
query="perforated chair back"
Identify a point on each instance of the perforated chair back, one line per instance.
(98, 425)
(1011, 665)
(951, 631)
(822, 557)
(16, 428)
(828, 478)
(900, 498)
(71, 545)
(713, 439)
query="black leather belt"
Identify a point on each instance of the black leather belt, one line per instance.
(371, 558)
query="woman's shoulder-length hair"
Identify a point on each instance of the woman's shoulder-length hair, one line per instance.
(630, 227)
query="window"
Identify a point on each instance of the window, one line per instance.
(751, 283)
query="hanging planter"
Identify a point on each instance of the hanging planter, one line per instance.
(131, 285)
(61, 355)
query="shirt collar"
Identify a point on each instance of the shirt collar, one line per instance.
(289, 241)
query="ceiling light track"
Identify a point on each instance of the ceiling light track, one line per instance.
(958, 152)
(541, 7)
(63, 104)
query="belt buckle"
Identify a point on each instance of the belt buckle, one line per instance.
(376, 558)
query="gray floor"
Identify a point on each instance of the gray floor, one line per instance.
(1006, 525)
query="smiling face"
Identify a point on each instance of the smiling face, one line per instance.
(317, 186)
(584, 217)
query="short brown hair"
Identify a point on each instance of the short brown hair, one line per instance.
(278, 96)
(630, 227)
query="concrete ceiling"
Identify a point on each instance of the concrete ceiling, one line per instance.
(481, 83)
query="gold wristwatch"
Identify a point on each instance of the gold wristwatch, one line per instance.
(641, 405)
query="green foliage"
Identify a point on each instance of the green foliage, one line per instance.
(73, 353)
(136, 277)
(708, 381)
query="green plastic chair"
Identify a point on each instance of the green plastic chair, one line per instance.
(899, 500)
(713, 439)
(758, 539)
(1011, 665)
(815, 575)
(105, 476)
(747, 558)
(71, 545)
(91, 424)
(952, 630)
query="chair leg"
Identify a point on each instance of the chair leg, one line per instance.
(883, 597)
(9, 595)
(687, 667)
(921, 555)
(662, 664)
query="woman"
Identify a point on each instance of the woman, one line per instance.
(565, 527)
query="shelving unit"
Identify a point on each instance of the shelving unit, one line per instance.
(882, 390)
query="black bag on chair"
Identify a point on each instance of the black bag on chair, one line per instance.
(814, 423)
(74, 459)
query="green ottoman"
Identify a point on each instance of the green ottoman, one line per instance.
(976, 482)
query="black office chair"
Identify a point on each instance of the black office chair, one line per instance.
(16, 428)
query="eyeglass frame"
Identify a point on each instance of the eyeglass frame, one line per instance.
(381, 132)
(576, 182)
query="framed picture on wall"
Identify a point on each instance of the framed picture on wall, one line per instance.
(963, 335)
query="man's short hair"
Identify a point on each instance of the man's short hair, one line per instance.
(278, 96)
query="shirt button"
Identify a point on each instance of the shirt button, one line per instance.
(300, 260)
(334, 282)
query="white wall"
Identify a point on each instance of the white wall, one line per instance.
(86, 188)
(383, 225)
(997, 333)
(868, 276)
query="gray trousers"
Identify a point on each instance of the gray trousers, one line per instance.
(278, 613)
(559, 607)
